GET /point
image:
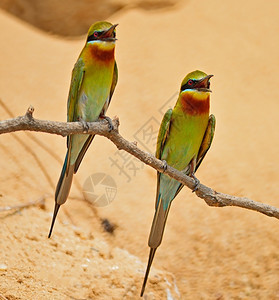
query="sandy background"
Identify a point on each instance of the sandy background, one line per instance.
(207, 253)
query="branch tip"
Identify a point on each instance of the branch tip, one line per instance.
(116, 122)
(29, 112)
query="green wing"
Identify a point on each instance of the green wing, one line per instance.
(163, 133)
(162, 136)
(114, 81)
(90, 138)
(76, 82)
(113, 85)
(205, 145)
(207, 140)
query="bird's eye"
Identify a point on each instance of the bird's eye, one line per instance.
(96, 34)
(190, 82)
(113, 34)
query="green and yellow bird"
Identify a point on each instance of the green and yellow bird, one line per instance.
(185, 135)
(94, 78)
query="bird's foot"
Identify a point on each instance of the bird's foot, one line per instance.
(110, 125)
(84, 125)
(197, 182)
(165, 166)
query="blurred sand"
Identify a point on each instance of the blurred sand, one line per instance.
(213, 253)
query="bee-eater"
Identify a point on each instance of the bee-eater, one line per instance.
(185, 135)
(94, 78)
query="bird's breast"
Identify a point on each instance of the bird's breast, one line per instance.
(195, 103)
(101, 52)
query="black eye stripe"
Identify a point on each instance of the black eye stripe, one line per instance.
(183, 87)
(92, 37)
(187, 85)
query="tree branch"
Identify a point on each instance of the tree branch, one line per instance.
(210, 196)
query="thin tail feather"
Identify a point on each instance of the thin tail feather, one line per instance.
(158, 225)
(151, 256)
(56, 208)
(156, 235)
(62, 189)
(64, 183)
(83, 151)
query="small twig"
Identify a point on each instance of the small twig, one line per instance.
(211, 197)
(29, 112)
(40, 202)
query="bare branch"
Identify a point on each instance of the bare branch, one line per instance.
(211, 197)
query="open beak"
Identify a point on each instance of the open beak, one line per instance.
(109, 35)
(203, 84)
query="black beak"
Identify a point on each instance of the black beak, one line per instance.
(108, 35)
(203, 84)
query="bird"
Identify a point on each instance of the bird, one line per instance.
(185, 135)
(93, 81)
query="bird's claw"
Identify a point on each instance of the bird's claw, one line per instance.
(84, 125)
(110, 125)
(165, 165)
(197, 183)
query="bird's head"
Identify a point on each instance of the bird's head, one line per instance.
(196, 81)
(102, 32)
(195, 93)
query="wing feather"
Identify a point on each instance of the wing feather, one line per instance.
(76, 82)
(162, 136)
(207, 140)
